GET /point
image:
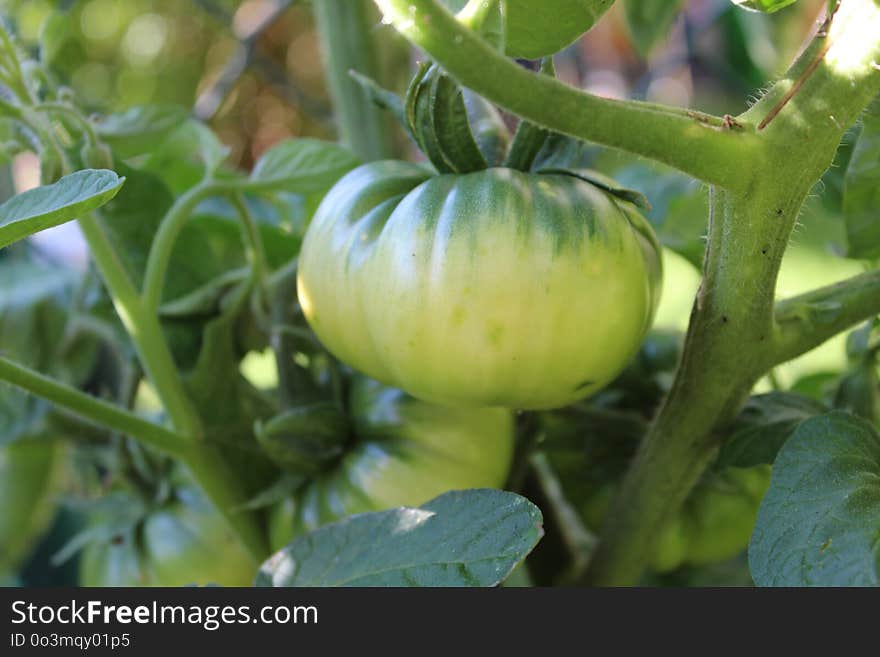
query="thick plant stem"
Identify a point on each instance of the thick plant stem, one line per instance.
(706, 147)
(730, 332)
(93, 409)
(344, 27)
(145, 331)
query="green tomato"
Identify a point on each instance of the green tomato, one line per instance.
(715, 523)
(721, 514)
(29, 482)
(493, 288)
(404, 452)
(180, 543)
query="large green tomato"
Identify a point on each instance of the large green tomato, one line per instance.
(180, 543)
(29, 477)
(403, 452)
(493, 288)
(715, 523)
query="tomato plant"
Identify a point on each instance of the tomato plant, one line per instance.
(463, 260)
(441, 292)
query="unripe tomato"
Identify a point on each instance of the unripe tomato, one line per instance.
(403, 452)
(183, 542)
(493, 288)
(29, 477)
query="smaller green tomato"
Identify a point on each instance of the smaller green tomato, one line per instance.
(180, 543)
(404, 452)
(721, 514)
(30, 472)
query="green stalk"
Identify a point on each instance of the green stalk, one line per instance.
(93, 409)
(345, 30)
(144, 329)
(166, 237)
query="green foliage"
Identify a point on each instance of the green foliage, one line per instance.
(861, 193)
(445, 542)
(819, 522)
(55, 204)
(650, 20)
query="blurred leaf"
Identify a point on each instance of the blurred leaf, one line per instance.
(763, 426)
(227, 402)
(766, 6)
(185, 156)
(462, 538)
(55, 204)
(650, 20)
(861, 194)
(303, 166)
(819, 522)
(139, 129)
(830, 188)
(34, 302)
(859, 392)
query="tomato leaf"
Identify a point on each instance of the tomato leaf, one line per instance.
(56, 204)
(462, 538)
(819, 523)
(861, 192)
(649, 21)
(304, 166)
(763, 426)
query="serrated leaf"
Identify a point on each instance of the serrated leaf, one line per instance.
(819, 523)
(56, 204)
(649, 21)
(303, 166)
(763, 426)
(861, 191)
(139, 129)
(462, 538)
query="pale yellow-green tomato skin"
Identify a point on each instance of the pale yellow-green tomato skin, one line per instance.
(495, 288)
(403, 452)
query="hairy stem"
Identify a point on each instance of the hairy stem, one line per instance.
(733, 337)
